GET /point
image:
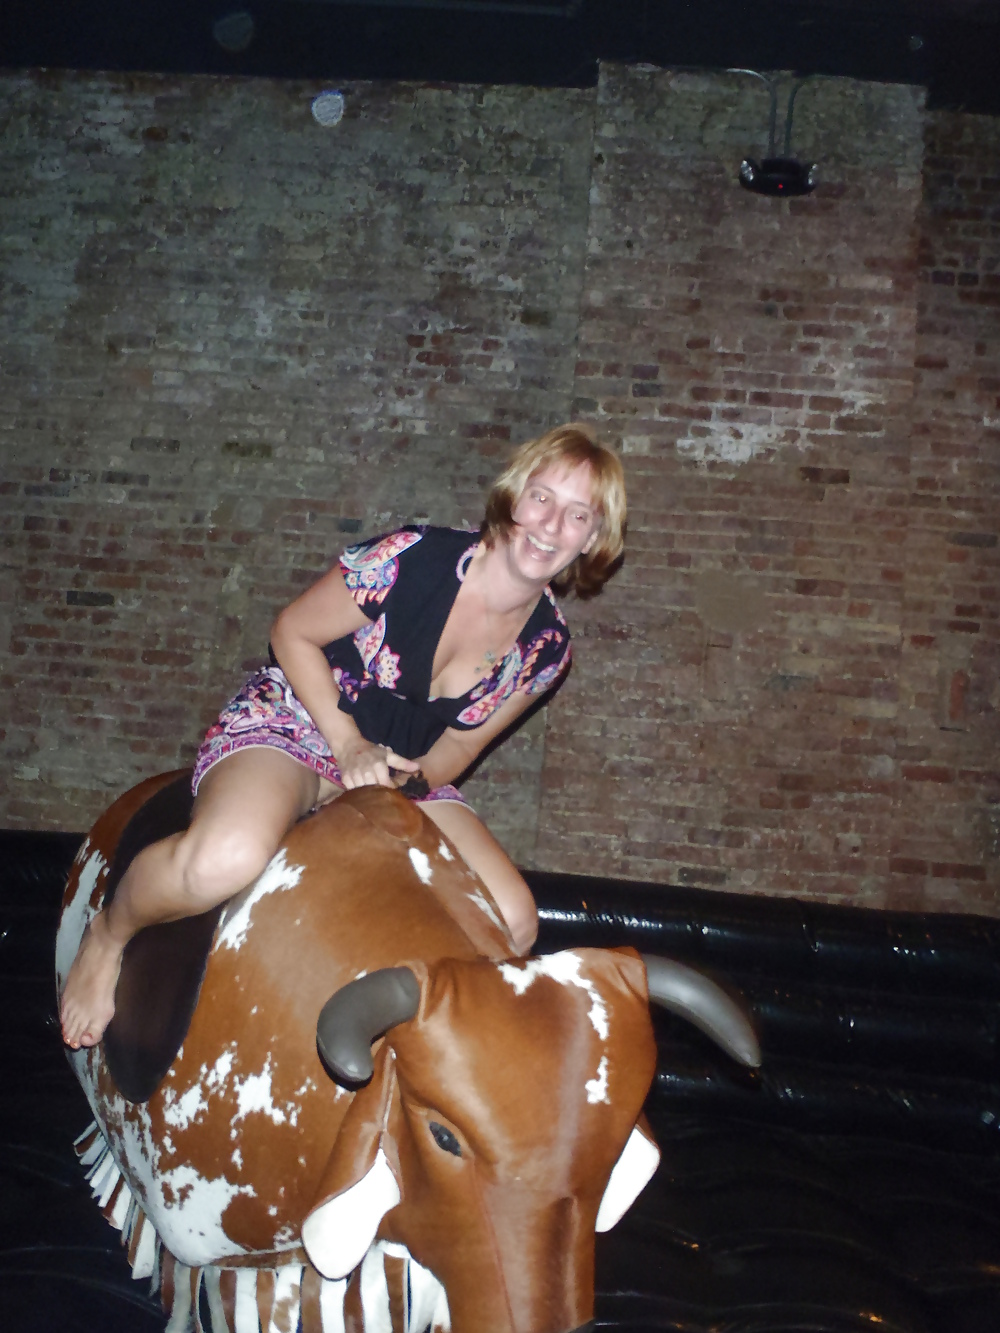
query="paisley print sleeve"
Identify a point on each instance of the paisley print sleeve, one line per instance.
(532, 671)
(549, 655)
(546, 661)
(547, 676)
(489, 694)
(371, 568)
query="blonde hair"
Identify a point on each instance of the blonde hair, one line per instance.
(566, 446)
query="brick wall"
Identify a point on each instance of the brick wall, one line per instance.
(748, 705)
(232, 340)
(229, 339)
(947, 837)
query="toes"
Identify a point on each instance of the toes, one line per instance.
(81, 1040)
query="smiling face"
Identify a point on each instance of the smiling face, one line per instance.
(555, 521)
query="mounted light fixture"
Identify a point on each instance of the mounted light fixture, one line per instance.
(328, 108)
(784, 175)
(235, 31)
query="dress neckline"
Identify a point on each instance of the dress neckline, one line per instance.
(500, 666)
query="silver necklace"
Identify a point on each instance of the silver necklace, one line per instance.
(489, 656)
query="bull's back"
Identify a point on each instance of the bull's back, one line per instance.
(247, 1106)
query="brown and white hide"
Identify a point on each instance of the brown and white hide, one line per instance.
(460, 1188)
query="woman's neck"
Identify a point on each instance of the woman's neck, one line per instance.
(502, 590)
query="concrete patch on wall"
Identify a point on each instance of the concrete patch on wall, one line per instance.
(729, 603)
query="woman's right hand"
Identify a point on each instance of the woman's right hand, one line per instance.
(367, 765)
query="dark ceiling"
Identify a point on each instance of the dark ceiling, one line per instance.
(951, 46)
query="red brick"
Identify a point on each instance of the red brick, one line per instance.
(954, 870)
(818, 588)
(904, 865)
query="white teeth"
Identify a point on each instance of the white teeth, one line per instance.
(535, 542)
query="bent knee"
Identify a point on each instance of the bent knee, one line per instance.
(522, 922)
(213, 868)
(517, 907)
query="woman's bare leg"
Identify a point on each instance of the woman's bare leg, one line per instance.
(244, 807)
(487, 858)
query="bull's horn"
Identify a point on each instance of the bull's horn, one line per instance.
(691, 995)
(359, 1012)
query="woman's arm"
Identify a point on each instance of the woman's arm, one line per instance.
(325, 612)
(455, 750)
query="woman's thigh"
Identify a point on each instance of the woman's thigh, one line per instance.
(481, 851)
(245, 805)
(254, 795)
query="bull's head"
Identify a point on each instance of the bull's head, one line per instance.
(497, 1133)
(499, 1127)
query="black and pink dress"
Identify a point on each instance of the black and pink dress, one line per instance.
(406, 583)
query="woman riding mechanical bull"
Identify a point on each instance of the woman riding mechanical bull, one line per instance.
(399, 665)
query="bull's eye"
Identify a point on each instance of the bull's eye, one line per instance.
(445, 1139)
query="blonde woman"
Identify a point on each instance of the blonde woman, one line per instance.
(408, 658)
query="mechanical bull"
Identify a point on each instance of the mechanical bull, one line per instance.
(269, 1174)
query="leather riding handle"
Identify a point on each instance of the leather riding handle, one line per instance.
(413, 785)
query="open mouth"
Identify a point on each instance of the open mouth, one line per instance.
(540, 546)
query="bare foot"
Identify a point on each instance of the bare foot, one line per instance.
(88, 999)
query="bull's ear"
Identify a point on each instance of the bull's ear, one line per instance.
(360, 1182)
(631, 1174)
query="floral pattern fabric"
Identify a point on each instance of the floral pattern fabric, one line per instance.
(374, 572)
(513, 673)
(406, 584)
(266, 713)
(371, 569)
